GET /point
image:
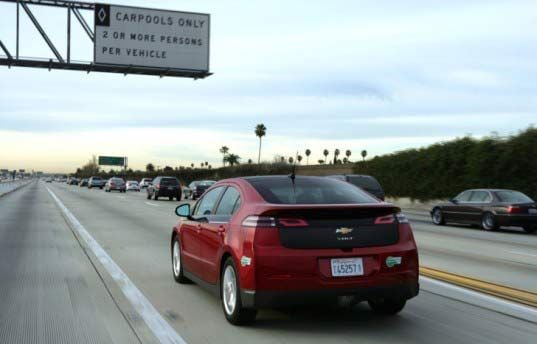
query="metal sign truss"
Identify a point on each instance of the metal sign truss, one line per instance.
(59, 62)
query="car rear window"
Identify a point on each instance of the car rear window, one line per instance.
(168, 181)
(513, 197)
(309, 190)
(365, 183)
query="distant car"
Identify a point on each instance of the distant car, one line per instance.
(365, 182)
(96, 182)
(83, 182)
(145, 182)
(273, 241)
(164, 187)
(73, 181)
(48, 180)
(132, 185)
(489, 208)
(115, 184)
(200, 187)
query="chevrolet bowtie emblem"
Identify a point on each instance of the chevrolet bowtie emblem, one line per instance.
(344, 230)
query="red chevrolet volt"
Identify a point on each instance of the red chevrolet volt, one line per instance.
(274, 241)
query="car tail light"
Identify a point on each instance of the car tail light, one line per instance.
(292, 222)
(514, 209)
(259, 221)
(157, 186)
(384, 220)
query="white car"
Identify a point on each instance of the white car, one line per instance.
(146, 182)
(132, 185)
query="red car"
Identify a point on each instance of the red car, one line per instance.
(273, 241)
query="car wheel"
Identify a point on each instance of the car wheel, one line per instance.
(387, 306)
(488, 222)
(170, 198)
(148, 195)
(177, 267)
(530, 229)
(231, 297)
(155, 197)
(437, 217)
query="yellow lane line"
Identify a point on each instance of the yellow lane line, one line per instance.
(517, 295)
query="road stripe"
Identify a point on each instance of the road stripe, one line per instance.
(160, 328)
(446, 289)
(517, 295)
(523, 253)
(153, 204)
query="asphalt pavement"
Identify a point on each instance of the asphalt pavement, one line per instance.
(135, 234)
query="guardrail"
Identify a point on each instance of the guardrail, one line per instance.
(8, 186)
(517, 295)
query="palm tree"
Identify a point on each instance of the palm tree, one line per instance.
(202, 165)
(206, 163)
(348, 154)
(364, 154)
(260, 131)
(336, 154)
(150, 167)
(224, 150)
(325, 153)
(192, 165)
(291, 160)
(282, 159)
(308, 152)
(320, 161)
(233, 159)
(345, 160)
(250, 161)
(299, 158)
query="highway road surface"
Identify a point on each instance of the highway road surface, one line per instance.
(57, 287)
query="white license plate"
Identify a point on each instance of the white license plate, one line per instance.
(343, 267)
(170, 188)
(532, 211)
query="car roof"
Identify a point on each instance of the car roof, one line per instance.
(490, 190)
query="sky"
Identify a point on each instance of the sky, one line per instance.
(376, 75)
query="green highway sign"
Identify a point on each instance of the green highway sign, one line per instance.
(112, 161)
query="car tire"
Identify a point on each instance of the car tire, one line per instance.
(155, 197)
(437, 217)
(148, 195)
(530, 229)
(488, 222)
(170, 198)
(230, 295)
(177, 266)
(387, 306)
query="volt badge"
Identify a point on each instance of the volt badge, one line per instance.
(245, 261)
(393, 261)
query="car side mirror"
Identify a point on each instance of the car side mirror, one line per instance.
(454, 201)
(183, 210)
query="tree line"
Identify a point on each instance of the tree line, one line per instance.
(444, 169)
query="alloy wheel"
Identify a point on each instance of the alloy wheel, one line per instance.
(229, 290)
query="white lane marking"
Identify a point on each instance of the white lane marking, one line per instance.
(153, 204)
(523, 253)
(479, 299)
(160, 328)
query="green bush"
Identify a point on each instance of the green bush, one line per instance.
(445, 169)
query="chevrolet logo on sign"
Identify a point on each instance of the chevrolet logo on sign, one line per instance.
(344, 230)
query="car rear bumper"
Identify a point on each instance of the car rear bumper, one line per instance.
(270, 299)
(517, 220)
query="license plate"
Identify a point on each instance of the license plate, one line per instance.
(532, 211)
(170, 188)
(343, 267)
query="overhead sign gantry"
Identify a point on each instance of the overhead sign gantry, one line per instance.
(127, 40)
